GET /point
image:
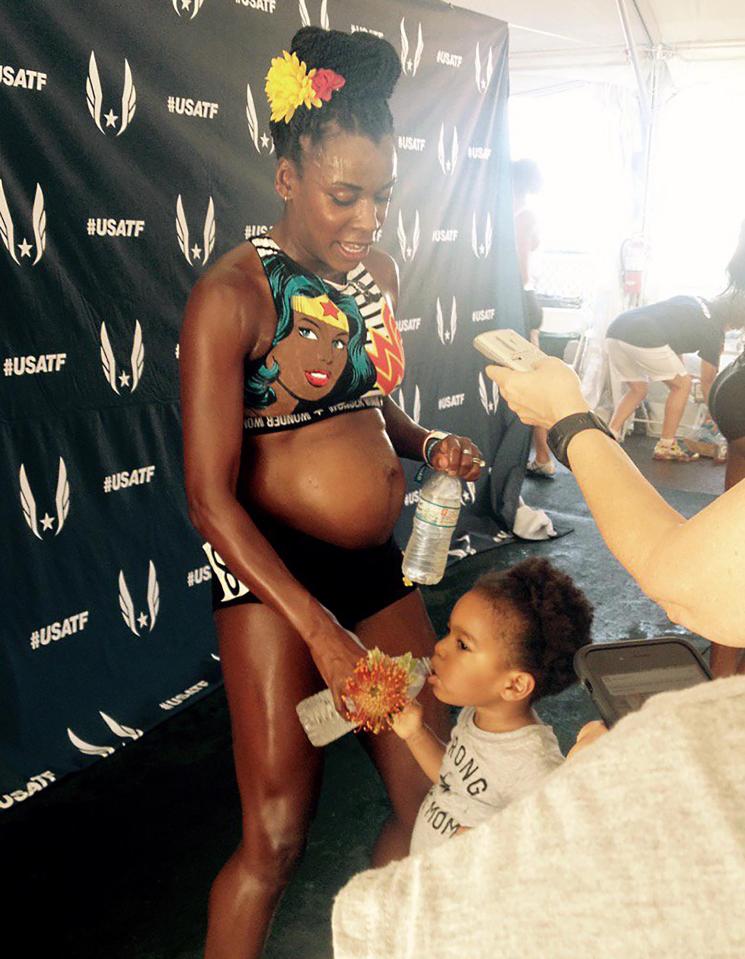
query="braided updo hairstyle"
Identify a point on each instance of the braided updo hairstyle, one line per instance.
(556, 614)
(370, 67)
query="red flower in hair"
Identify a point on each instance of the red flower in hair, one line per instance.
(326, 82)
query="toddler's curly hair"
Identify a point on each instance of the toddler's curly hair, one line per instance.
(556, 614)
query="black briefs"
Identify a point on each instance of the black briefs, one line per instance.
(352, 583)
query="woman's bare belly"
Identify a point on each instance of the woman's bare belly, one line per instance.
(338, 480)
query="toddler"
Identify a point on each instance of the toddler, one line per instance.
(511, 640)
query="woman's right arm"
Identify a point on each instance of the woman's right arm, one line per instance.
(693, 568)
(219, 330)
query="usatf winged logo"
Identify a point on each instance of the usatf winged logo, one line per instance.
(94, 98)
(181, 5)
(153, 602)
(408, 246)
(488, 402)
(263, 143)
(460, 548)
(61, 502)
(481, 249)
(483, 75)
(447, 165)
(468, 494)
(124, 732)
(410, 65)
(39, 221)
(417, 403)
(447, 335)
(305, 16)
(196, 253)
(109, 363)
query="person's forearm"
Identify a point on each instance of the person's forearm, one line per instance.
(620, 500)
(428, 751)
(692, 568)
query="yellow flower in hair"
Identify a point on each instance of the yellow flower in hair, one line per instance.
(289, 85)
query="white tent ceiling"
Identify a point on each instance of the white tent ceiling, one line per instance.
(590, 30)
(555, 41)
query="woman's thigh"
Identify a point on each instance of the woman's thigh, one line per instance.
(404, 627)
(267, 670)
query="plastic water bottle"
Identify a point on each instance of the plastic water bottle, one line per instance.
(320, 720)
(323, 724)
(436, 517)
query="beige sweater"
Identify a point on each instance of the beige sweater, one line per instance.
(634, 848)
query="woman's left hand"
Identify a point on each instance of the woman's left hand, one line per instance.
(457, 456)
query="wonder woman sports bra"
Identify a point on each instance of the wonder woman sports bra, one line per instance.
(336, 347)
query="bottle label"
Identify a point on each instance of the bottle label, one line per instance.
(436, 514)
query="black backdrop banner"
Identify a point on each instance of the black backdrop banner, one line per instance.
(134, 151)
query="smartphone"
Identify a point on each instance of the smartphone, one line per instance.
(508, 348)
(620, 677)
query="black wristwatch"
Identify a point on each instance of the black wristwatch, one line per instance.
(563, 431)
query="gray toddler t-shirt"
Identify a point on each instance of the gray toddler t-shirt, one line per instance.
(481, 773)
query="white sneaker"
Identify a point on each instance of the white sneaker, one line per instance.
(543, 470)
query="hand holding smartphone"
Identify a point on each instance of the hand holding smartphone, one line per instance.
(508, 348)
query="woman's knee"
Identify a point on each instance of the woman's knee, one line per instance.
(681, 382)
(272, 848)
(638, 390)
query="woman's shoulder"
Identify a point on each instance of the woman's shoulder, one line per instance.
(236, 273)
(384, 270)
(235, 288)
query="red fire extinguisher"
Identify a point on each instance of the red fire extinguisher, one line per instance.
(634, 255)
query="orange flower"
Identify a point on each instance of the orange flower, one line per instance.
(378, 689)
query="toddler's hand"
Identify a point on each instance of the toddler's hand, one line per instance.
(408, 722)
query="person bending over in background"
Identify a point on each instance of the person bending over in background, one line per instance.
(645, 344)
(511, 640)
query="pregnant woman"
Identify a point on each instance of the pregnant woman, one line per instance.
(289, 354)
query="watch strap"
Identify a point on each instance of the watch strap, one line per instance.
(567, 428)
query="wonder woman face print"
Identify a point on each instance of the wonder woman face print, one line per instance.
(313, 355)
